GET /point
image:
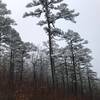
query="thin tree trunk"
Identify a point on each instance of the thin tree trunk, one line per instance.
(0, 49)
(41, 73)
(81, 81)
(89, 84)
(11, 70)
(67, 75)
(50, 46)
(11, 77)
(21, 71)
(34, 83)
(74, 66)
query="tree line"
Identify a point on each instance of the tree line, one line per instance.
(53, 71)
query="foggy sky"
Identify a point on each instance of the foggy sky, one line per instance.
(88, 23)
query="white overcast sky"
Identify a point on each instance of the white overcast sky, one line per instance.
(88, 24)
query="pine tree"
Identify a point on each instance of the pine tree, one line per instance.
(47, 7)
(79, 57)
(5, 24)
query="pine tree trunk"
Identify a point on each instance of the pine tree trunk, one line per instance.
(11, 70)
(50, 46)
(67, 75)
(11, 77)
(21, 71)
(81, 81)
(0, 49)
(74, 66)
(34, 83)
(89, 84)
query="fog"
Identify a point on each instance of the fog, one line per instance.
(87, 25)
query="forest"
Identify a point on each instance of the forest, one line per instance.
(50, 72)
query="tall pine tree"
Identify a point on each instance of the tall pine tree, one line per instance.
(48, 8)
